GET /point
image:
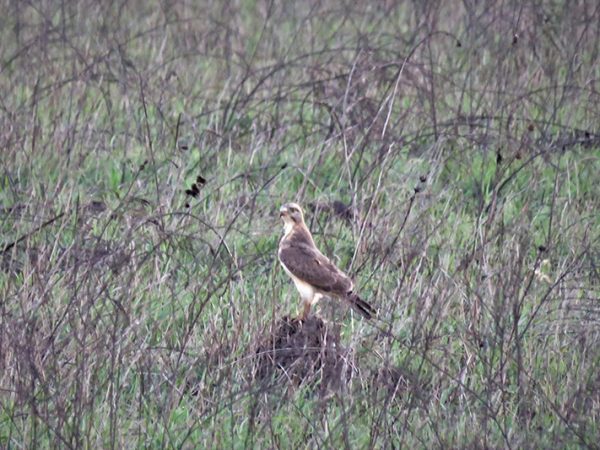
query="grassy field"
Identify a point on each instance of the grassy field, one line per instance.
(448, 158)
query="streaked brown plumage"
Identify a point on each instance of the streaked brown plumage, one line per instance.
(312, 272)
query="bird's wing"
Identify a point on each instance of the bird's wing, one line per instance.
(311, 266)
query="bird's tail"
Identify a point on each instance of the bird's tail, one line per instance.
(360, 306)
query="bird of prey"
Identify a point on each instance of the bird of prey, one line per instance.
(312, 272)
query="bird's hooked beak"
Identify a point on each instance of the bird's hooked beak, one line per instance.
(283, 211)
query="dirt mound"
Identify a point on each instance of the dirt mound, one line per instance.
(304, 352)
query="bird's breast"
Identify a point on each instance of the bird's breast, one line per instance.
(306, 290)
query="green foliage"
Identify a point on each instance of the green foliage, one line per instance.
(446, 156)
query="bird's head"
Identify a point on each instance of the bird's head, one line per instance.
(291, 214)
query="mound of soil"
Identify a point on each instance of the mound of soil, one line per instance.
(304, 352)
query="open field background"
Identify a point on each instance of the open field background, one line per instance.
(463, 139)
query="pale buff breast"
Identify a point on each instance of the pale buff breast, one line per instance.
(307, 292)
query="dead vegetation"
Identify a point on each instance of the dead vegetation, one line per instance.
(302, 352)
(447, 155)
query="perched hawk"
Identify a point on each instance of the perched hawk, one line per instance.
(313, 274)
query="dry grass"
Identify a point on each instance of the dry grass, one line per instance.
(447, 154)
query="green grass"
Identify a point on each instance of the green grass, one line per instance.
(131, 313)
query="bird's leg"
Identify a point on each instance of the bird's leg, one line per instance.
(305, 310)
